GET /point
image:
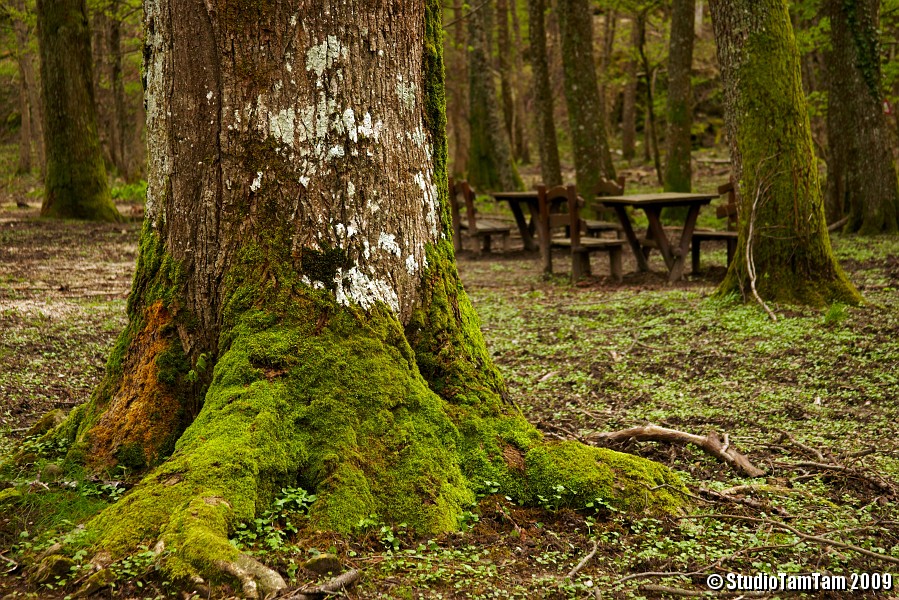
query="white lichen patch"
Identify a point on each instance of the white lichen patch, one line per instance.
(322, 57)
(257, 182)
(406, 92)
(387, 242)
(282, 126)
(429, 194)
(356, 287)
(349, 123)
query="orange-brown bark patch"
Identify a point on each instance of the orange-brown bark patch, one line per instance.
(144, 413)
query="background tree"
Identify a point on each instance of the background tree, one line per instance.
(629, 100)
(544, 113)
(789, 257)
(296, 281)
(678, 169)
(31, 141)
(490, 165)
(589, 141)
(860, 168)
(76, 185)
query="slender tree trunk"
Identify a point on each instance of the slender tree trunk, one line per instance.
(25, 135)
(649, 74)
(504, 66)
(789, 251)
(547, 145)
(590, 144)
(121, 133)
(296, 271)
(522, 145)
(457, 87)
(629, 104)
(605, 64)
(490, 165)
(76, 185)
(29, 95)
(678, 170)
(861, 167)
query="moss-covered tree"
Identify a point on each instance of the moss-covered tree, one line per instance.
(678, 170)
(774, 161)
(75, 185)
(296, 317)
(490, 165)
(589, 142)
(544, 111)
(861, 169)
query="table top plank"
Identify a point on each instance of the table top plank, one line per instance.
(662, 199)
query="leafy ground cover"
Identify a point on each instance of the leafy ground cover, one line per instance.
(812, 398)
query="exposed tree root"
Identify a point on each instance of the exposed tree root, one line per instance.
(256, 579)
(342, 581)
(710, 444)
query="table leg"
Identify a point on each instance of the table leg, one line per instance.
(621, 211)
(653, 214)
(677, 269)
(527, 236)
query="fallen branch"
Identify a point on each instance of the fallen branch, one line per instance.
(331, 586)
(664, 589)
(583, 562)
(710, 444)
(805, 536)
(838, 225)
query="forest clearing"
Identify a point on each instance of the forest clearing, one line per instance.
(584, 299)
(813, 389)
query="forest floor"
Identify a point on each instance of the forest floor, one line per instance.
(813, 399)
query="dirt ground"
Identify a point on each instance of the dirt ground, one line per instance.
(812, 399)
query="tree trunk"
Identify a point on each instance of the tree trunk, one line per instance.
(120, 130)
(610, 23)
(629, 103)
(590, 144)
(522, 146)
(774, 161)
(76, 185)
(457, 87)
(31, 138)
(504, 67)
(651, 128)
(296, 281)
(25, 136)
(544, 113)
(678, 171)
(490, 165)
(861, 168)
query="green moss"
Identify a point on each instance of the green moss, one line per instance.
(10, 496)
(323, 265)
(131, 456)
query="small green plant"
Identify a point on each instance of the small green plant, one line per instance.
(130, 192)
(554, 501)
(271, 528)
(836, 314)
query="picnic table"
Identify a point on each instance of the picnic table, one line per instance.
(526, 228)
(656, 238)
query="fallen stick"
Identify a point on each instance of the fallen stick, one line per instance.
(710, 444)
(804, 536)
(838, 225)
(583, 562)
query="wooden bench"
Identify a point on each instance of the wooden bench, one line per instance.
(605, 187)
(728, 210)
(461, 194)
(566, 229)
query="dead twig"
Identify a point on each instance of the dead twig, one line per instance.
(710, 444)
(805, 536)
(816, 453)
(583, 562)
(664, 589)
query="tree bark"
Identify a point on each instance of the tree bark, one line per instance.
(629, 104)
(590, 144)
(544, 113)
(504, 67)
(678, 170)
(296, 282)
(522, 146)
(30, 95)
(774, 161)
(490, 165)
(861, 169)
(651, 147)
(457, 88)
(76, 185)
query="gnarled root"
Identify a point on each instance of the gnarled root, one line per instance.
(257, 580)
